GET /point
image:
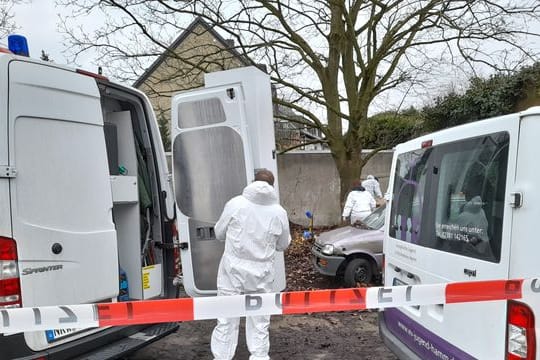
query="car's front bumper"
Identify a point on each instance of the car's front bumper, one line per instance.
(326, 265)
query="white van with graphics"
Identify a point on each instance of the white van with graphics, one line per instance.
(87, 207)
(464, 206)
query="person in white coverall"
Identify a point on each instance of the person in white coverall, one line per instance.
(358, 205)
(254, 226)
(372, 186)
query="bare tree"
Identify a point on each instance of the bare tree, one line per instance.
(7, 21)
(330, 59)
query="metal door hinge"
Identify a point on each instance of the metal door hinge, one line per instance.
(8, 171)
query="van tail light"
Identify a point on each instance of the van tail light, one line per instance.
(520, 336)
(10, 285)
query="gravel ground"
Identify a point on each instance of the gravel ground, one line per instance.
(340, 335)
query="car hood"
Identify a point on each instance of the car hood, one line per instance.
(345, 236)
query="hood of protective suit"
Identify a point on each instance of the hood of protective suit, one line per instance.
(474, 205)
(261, 193)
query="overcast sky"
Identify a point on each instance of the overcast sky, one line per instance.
(37, 21)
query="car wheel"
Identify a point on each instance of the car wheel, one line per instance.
(358, 271)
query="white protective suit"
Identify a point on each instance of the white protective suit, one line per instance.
(373, 186)
(358, 205)
(473, 222)
(254, 226)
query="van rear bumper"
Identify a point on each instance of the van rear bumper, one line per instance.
(131, 343)
(393, 343)
(112, 343)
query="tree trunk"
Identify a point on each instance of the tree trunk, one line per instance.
(349, 166)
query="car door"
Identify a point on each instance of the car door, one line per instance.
(61, 196)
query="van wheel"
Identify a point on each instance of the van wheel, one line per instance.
(358, 271)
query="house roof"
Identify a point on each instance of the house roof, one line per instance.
(189, 30)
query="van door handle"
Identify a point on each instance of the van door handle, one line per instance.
(396, 269)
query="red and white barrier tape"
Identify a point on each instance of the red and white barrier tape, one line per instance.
(297, 302)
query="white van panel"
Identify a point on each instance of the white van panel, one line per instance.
(470, 330)
(221, 134)
(5, 211)
(258, 104)
(53, 94)
(62, 193)
(526, 218)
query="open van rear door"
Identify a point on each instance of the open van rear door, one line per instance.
(61, 195)
(216, 148)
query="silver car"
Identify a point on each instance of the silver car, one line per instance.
(353, 252)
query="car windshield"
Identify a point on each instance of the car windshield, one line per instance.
(375, 220)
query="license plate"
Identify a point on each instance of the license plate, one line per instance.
(55, 335)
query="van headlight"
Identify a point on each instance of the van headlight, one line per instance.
(327, 249)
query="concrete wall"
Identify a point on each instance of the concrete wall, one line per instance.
(310, 181)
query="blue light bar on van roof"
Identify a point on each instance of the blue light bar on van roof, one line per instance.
(18, 45)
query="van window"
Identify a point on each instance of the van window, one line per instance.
(200, 112)
(461, 210)
(409, 194)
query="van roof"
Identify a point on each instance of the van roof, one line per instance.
(464, 130)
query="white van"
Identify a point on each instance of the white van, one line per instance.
(87, 207)
(464, 207)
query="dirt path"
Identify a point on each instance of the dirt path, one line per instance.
(345, 335)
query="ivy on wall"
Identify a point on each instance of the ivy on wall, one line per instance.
(499, 94)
